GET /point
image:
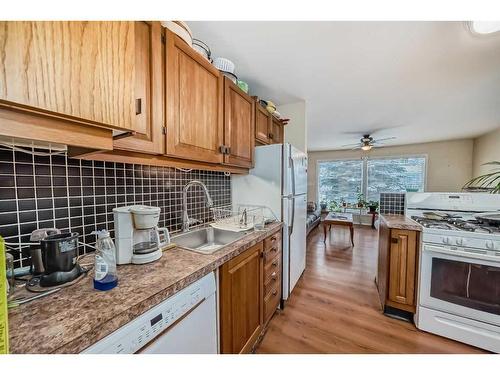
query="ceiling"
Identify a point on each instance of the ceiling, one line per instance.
(421, 81)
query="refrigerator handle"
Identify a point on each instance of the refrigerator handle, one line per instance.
(292, 166)
(290, 228)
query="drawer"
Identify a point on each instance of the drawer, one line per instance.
(272, 253)
(272, 281)
(272, 241)
(271, 303)
(273, 266)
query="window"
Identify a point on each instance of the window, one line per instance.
(394, 175)
(343, 179)
(340, 179)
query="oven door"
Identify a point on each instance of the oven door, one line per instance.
(461, 283)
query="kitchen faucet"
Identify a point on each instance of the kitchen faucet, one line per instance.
(186, 221)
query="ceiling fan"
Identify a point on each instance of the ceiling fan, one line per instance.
(367, 142)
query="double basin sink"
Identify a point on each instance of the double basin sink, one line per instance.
(207, 240)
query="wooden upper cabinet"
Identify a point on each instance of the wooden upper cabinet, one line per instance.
(241, 303)
(194, 123)
(239, 129)
(262, 124)
(402, 266)
(277, 131)
(81, 71)
(149, 84)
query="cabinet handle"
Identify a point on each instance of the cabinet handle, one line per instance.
(273, 238)
(273, 276)
(275, 264)
(275, 293)
(274, 249)
(138, 106)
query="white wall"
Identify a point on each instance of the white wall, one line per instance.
(486, 149)
(296, 130)
(449, 163)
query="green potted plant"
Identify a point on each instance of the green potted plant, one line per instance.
(489, 181)
(373, 206)
(334, 207)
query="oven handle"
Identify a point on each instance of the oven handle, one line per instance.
(466, 254)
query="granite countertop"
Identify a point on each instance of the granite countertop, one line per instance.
(400, 222)
(76, 317)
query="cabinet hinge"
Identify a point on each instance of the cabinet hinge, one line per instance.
(164, 130)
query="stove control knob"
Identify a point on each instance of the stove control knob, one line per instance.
(446, 240)
(490, 245)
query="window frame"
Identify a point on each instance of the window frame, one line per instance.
(364, 169)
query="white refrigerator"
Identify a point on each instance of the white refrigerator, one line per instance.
(279, 181)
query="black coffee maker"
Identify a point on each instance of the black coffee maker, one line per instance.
(59, 255)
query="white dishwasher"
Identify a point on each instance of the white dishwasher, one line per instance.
(184, 323)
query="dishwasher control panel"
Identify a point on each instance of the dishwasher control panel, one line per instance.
(134, 335)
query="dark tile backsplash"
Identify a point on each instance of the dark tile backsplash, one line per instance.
(79, 195)
(392, 203)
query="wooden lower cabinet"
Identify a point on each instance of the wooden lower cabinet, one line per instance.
(250, 293)
(241, 301)
(397, 268)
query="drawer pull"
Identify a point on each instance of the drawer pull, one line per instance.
(275, 264)
(273, 276)
(273, 238)
(274, 250)
(275, 293)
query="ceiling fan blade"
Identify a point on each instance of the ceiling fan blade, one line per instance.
(351, 144)
(382, 139)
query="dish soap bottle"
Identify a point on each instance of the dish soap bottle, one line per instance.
(105, 277)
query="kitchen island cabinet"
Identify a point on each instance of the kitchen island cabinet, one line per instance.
(398, 263)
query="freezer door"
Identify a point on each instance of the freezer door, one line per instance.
(262, 186)
(295, 171)
(297, 241)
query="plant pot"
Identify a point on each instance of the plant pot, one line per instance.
(323, 206)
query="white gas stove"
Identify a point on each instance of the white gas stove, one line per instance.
(459, 274)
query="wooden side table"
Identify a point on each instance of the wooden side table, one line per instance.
(343, 219)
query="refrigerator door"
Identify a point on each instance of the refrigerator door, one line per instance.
(294, 262)
(298, 165)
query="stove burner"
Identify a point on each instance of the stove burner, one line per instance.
(457, 223)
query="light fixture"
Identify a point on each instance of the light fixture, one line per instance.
(366, 147)
(484, 27)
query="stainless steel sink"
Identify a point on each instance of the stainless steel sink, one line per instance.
(207, 240)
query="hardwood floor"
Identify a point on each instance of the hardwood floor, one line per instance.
(334, 307)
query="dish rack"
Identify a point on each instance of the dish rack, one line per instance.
(245, 217)
(239, 220)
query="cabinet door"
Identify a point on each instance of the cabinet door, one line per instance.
(239, 130)
(262, 124)
(82, 71)
(149, 91)
(402, 266)
(193, 103)
(241, 287)
(277, 131)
